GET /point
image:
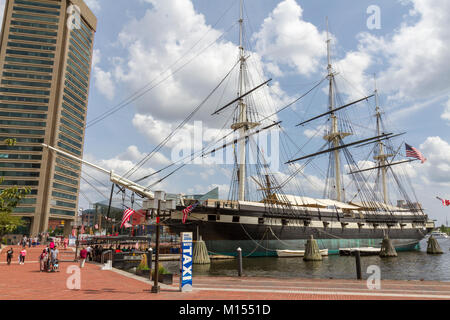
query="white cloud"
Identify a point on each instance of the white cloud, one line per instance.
(353, 68)
(103, 80)
(417, 55)
(94, 5)
(317, 132)
(446, 114)
(286, 39)
(437, 169)
(180, 71)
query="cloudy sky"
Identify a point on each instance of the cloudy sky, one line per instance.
(163, 57)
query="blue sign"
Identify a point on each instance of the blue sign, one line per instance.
(186, 262)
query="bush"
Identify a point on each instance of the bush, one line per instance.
(142, 268)
(162, 270)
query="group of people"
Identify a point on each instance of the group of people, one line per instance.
(29, 241)
(48, 260)
(10, 255)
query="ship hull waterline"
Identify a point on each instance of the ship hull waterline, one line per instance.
(263, 240)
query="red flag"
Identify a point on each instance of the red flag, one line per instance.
(126, 216)
(74, 232)
(188, 210)
(444, 202)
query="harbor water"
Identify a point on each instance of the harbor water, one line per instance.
(411, 265)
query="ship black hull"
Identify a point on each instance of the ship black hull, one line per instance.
(263, 240)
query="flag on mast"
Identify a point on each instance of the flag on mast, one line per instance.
(188, 210)
(414, 153)
(126, 216)
(444, 202)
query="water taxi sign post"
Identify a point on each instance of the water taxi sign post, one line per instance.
(186, 262)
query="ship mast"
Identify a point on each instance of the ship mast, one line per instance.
(334, 136)
(381, 157)
(242, 124)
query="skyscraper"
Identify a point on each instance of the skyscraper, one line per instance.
(45, 56)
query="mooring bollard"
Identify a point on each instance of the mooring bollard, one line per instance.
(239, 250)
(358, 264)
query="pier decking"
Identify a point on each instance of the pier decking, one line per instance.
(368, 251)
(25, 282)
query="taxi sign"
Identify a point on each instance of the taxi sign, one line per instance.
(186, 262)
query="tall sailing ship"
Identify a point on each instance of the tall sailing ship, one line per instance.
(355, 210)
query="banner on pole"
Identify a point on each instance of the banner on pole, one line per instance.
(186, 262)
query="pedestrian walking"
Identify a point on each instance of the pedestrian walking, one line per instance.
(9, 256)
(83, 256)
(23, 254)
(89, 253)
(54, 258)
(30, 239)
(24, 241)
(43, 260)
(66, 242)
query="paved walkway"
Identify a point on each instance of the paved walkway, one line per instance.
(20, 282)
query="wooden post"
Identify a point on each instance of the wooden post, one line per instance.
(239, 251)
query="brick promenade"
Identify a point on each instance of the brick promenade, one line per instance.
(25, 282)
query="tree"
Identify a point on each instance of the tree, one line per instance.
(9, 199)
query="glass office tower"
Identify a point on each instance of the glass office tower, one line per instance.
(45, 56)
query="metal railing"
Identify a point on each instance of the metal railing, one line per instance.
(103, 256)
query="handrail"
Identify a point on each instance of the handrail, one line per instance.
(103, 256)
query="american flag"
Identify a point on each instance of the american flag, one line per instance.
(126, 216)
(414, 153)
(444, 202)
(188, 210)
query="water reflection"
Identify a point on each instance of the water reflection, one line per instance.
(414, 265)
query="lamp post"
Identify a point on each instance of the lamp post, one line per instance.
(78, 226)
(160, 204)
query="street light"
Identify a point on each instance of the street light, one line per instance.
(161, 204)
(78, 226)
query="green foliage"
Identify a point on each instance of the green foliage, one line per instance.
(9, 199)
(142, 268)
(162, 270)
(445, 229)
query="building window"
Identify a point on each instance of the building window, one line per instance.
(38, 4)
(62, 212)
(23, 210)
(28, 17)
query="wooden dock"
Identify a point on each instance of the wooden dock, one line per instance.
(367, 251)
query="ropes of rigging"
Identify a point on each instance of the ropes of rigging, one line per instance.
(145, 89)
(182, 124)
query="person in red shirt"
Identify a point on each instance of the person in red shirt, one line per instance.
(83, 255)
(23, 254)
